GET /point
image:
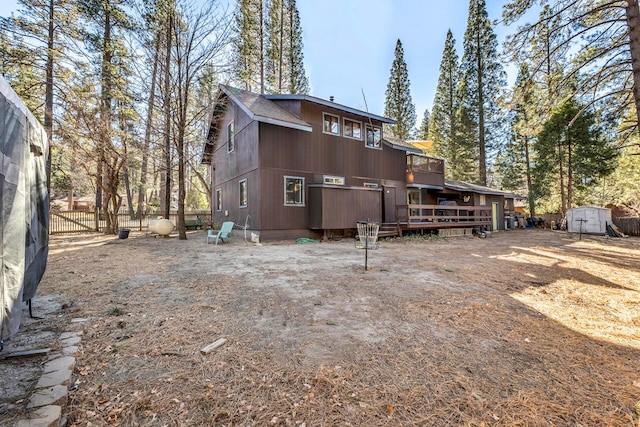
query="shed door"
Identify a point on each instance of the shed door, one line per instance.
(389, 204)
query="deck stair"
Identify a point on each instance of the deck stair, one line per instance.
(389, 229)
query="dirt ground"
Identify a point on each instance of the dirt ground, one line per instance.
(529, 328)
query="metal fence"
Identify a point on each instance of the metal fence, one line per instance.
(83, 221)
(629, 226)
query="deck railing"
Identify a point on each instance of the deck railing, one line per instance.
(434, 216)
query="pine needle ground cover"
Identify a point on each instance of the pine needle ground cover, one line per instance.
(527, 327)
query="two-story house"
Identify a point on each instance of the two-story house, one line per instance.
(291, 166)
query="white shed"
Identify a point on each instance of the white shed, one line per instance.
(588, 219)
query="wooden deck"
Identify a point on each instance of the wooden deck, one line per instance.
(434, 217)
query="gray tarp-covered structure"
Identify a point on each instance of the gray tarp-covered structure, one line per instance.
(24, 212)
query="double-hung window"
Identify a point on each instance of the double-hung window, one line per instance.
(231, 142)
(374, 137)
(293, 191)
(352, 129)
(243, 193)
(330, 124)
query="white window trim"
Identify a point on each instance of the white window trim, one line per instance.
(344, 120)
(330, 115)
(219, 207)
(285, 191)
(366, 144)
(240, 193)
(371, 185)
(331, 179)
(231, 140)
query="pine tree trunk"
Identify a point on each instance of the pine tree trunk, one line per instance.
(531, 199)
(142, 191)
(261, 11)
(569, 171)
(633, 22)
(48, 97)
(104, 181)
(563, 199)
(280, 62)
(166, 190)
(482, 155)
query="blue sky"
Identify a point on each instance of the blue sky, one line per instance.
(349, 45)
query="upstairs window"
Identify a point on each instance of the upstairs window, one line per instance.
(330, 124)
(374, 137)
(230, 138)
(352, 129)
(243, 193)
(293, 191)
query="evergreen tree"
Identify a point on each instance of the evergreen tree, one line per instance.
(442, 124)
(298, 81)
(277, 46)
(423, 133)
(285, 60)
(248, 46)
(398, 104)
(514, 161)
(572, 154)
(484, 78)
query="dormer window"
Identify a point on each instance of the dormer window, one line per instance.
(374, 137)
(330, 124)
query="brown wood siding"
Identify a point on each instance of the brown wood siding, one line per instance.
(340, 208)
(292, 106)
(231, 168)
(320, 153)
(231, 210)
(274, 214)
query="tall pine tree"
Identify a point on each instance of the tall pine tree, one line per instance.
(285, 71)
(443, 125)
(423, 132)
(248, 46)
(483, 79)
(398, 104)
(298, 81)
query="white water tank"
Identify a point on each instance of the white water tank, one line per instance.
(163, 227)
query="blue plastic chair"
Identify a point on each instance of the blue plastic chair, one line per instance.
(222, 234)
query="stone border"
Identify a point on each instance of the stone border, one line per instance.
(49, 399)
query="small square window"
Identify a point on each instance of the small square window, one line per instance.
(352, 129)
(219, 200)
(293, 191)
(374, 137)
(243, 193)
(330, 124)
(230, 138)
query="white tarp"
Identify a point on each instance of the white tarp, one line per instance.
(24, 211)
(588, 220)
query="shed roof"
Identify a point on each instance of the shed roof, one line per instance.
(400, 144)
(475, 188)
